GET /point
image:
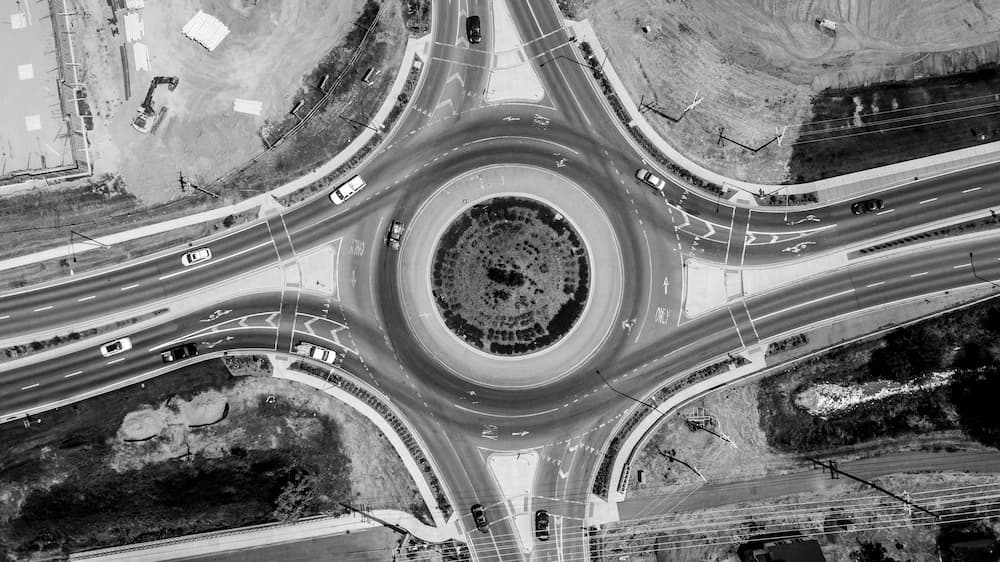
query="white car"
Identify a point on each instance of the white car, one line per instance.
(344, 192)
(316, 352)
(196, 256)
(648, 178)
(120, 345)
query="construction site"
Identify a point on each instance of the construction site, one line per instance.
(184, 88)
(770, 69)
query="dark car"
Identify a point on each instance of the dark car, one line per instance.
(179, 352)
(542, 525)
(479, 516)
(866, 206)
(393, 236)
(473, 30)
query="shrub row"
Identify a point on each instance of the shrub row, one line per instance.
(787, 343)
(971, 226)
(398, 426)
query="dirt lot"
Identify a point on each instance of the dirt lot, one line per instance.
(202, 136)
(159, 463)
(756, 63)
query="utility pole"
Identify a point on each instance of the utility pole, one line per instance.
(836, 472)
(205, 191)
(670, 457)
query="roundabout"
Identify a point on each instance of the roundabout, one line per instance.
(510, 276)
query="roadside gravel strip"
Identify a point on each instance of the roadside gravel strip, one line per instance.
(417, 259)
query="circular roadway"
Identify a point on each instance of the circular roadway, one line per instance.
(416, 260)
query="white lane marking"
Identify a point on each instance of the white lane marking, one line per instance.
(113, 361)
(127, 287)
(29, 387)
(549, 411)
(217, 260)
(86, 298)
(73, 374)
(971, 189)
(931, 200)
(876, 284)
(885, 212)
(919, 274)
(807, 303)
(961, 265)
(49, 307)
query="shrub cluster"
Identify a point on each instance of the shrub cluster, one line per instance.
(787, 343)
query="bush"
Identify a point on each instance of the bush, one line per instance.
(909, 352)
(974, 394)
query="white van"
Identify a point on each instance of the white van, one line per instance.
(346, 190)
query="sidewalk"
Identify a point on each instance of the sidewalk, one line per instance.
(829, 190)
(260, 535)
(415, 49)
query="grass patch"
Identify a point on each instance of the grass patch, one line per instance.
(862, 128)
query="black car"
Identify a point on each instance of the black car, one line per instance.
(394, 234)
(479, 516)
(542, 525)
(866, 206)
(179, 352)
(473, 30)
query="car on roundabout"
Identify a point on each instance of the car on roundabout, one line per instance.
(542, 525)
(316, 352)
(650, 179)
(394, 235)
(479, 516)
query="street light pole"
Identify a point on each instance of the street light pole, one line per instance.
(972, 262)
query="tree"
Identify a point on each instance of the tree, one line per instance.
(909, 352)
(871, 552)
(973, 355)
(974, 394)
(296, 498)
